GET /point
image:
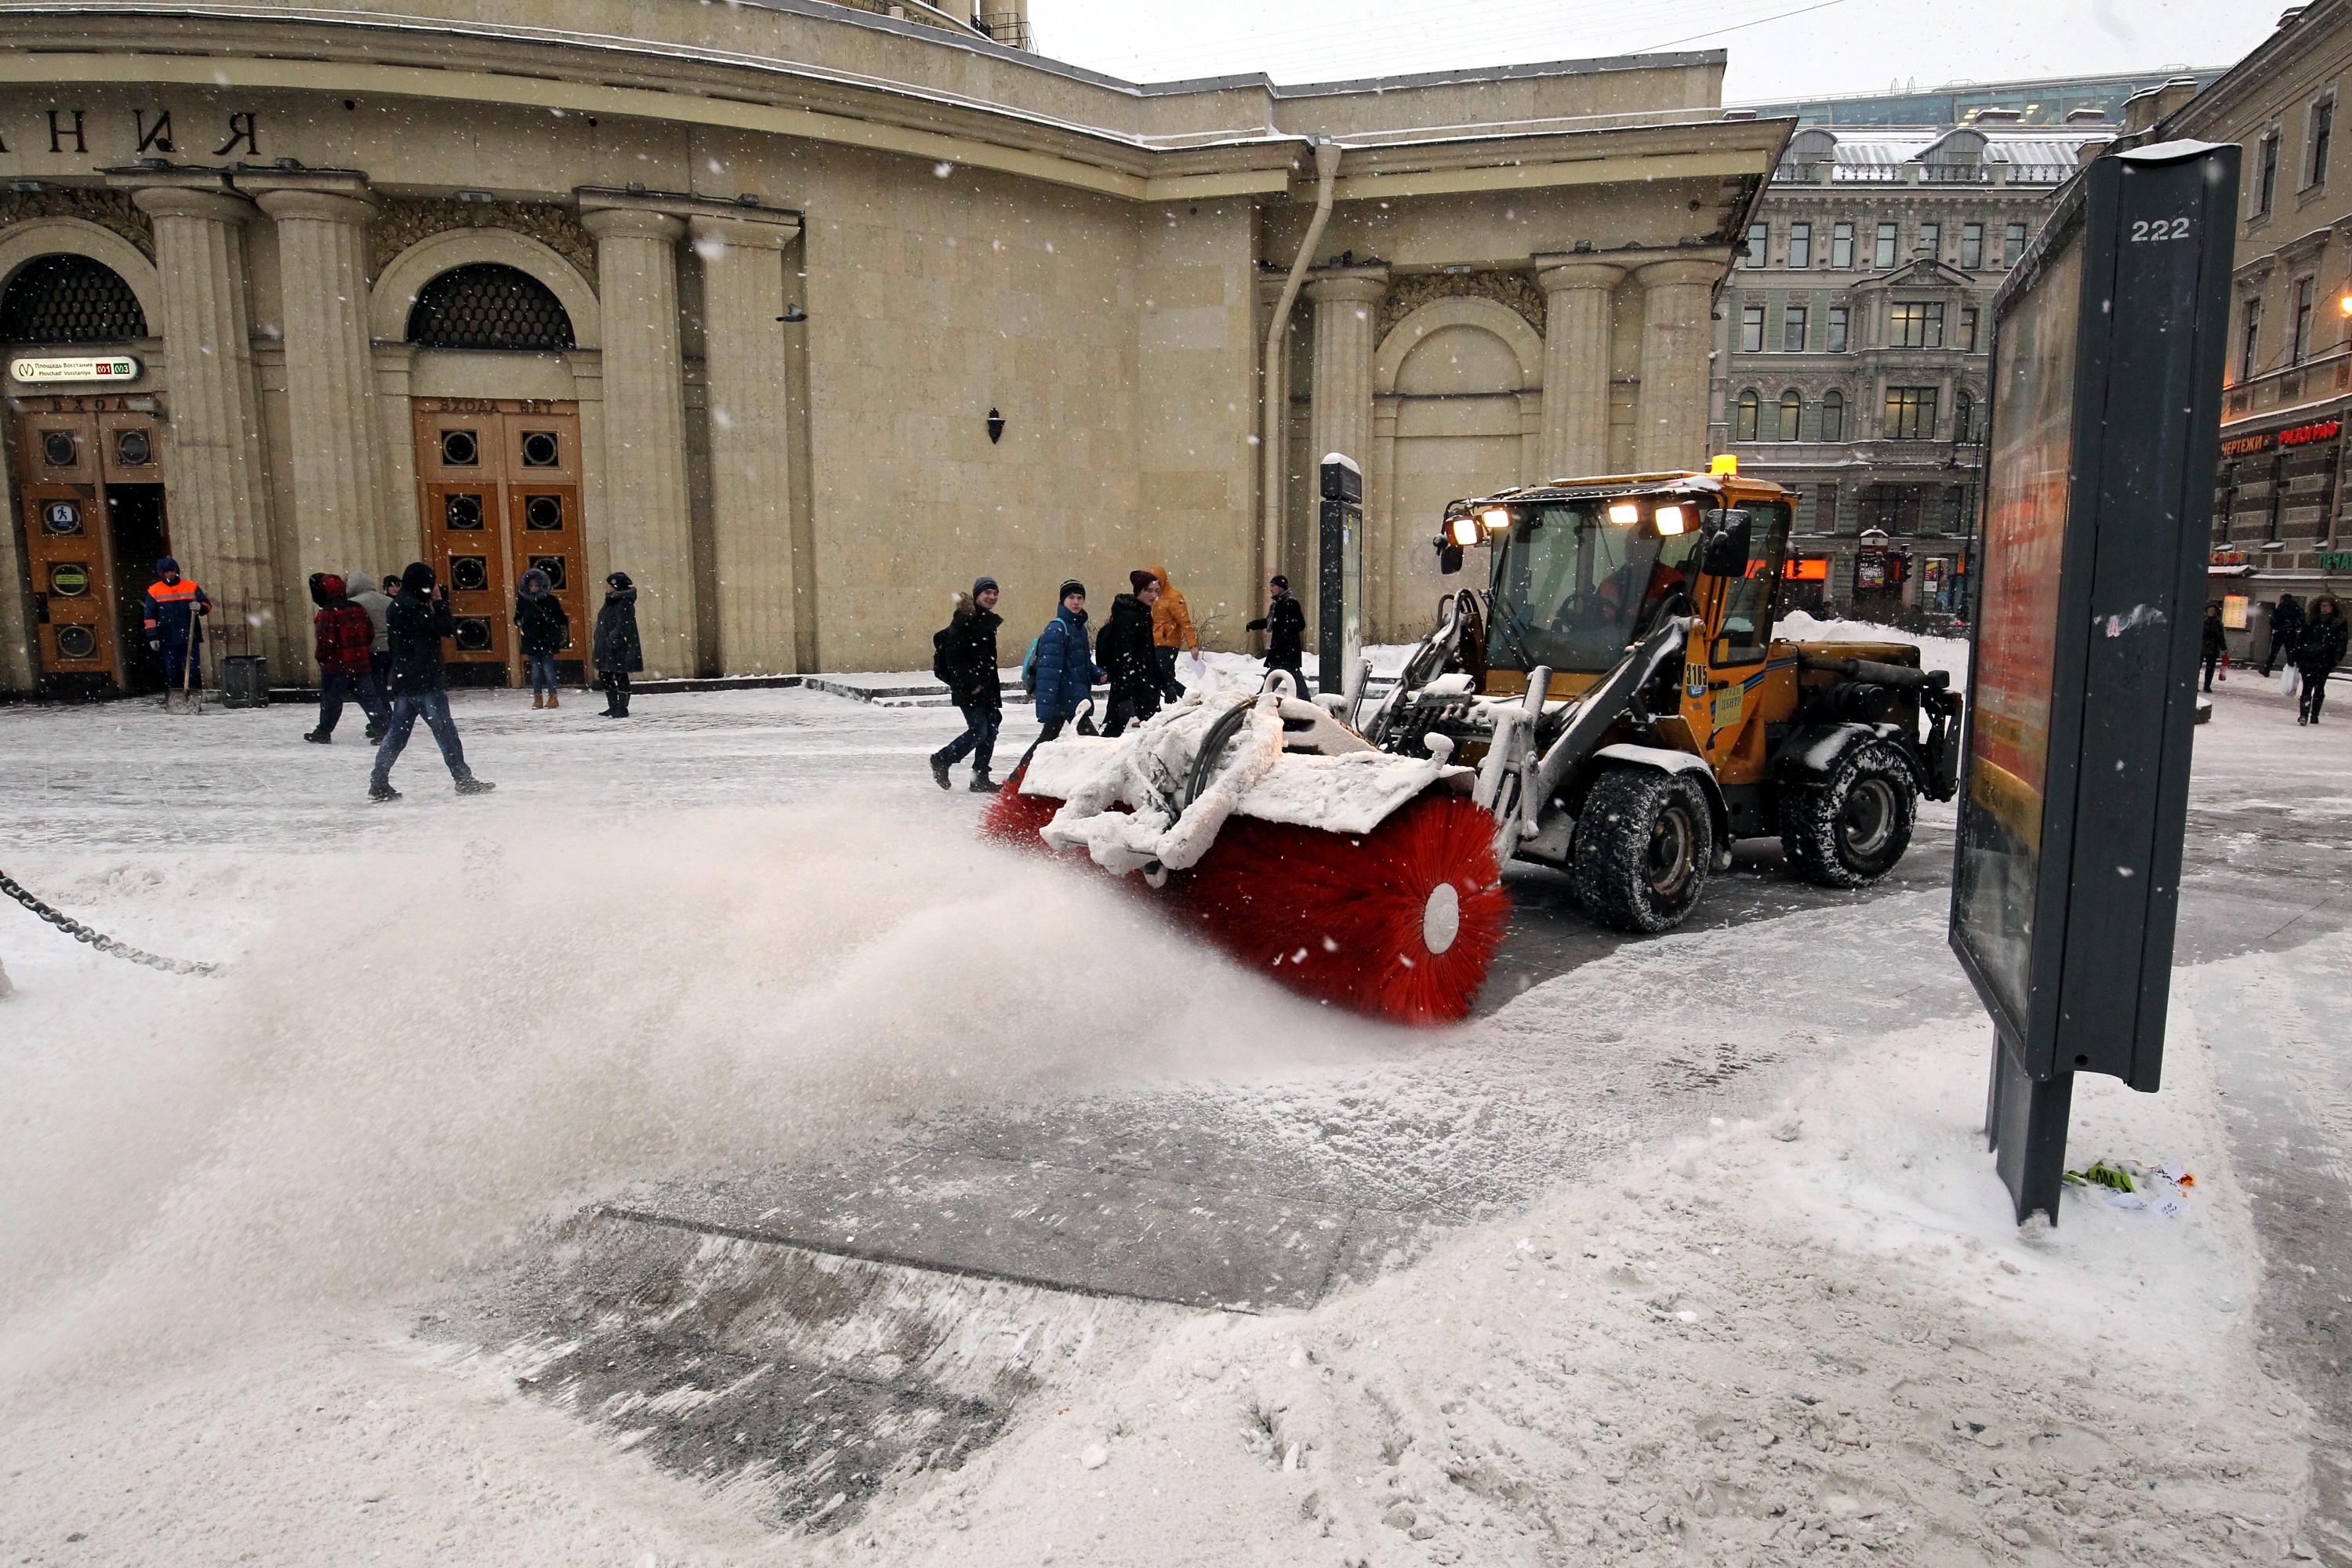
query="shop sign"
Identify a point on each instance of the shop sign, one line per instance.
(2229, 557)
(2304, 435)
(2336, 561)
(2240, 445)
(106, 367)
(2234, 612)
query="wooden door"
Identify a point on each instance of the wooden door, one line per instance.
(542, 465)
(457, 457)
(66, 545)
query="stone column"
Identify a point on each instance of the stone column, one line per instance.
(644, 427)
(1388, 538)
(1678, 297)
(214, 480)
(750, 455)
(341, 516)
(396, 435)
(1578, 310)
(1347, 328)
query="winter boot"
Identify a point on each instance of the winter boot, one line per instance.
(319, 737)
(539, 699)
(374, 734)
(552, 702)
(382, 792)
(475, 786)
(939, 773)
(982, 784)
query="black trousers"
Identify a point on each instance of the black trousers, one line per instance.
(1136, 702)
(2315, 692)
(1171, 689)
(616, 690)
(2212, 662)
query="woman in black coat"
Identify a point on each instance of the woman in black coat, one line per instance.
(2213, 642)
(544, 629)
(2319, 649)
(618, 653)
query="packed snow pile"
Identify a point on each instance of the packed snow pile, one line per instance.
(1949, 654)
(1125, 799)
(1816, 1331)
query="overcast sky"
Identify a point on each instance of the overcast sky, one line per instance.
(1779, 48)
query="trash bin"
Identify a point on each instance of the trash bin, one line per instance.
(244, 680)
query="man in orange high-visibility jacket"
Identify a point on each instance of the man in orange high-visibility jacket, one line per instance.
(175, 607)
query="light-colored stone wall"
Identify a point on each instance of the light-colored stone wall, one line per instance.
(992, 232)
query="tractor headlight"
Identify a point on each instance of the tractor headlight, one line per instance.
(1495, 520)
(1624, 513)
(1462, 529)
(1673, 520)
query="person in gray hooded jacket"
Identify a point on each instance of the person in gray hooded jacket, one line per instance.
(361, 588)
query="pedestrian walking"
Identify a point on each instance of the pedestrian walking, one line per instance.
(419, 618)
(544, 628)
(1285, 624)
(618, 653)
(2318, 648)
(1128, 652)
(343, 641)
(366, 591)
(2286, 628)
(964, 656)
(2215, 644)
(1065, 665)
(1172, 633)
(173, 619)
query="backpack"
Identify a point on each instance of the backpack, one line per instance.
(1029, 671)
(942, 641)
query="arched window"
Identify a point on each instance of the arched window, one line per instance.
(1792, 414)
(69, 299)
(1743, 427)
(1964, 415)
(1833, 416)
(483, 305)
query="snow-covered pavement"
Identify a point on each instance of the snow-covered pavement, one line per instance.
(1688, 1249)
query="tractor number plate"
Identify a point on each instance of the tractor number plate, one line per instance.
(1694, 679)
(1729, 703)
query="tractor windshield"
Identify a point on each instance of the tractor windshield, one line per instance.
(1573, 587)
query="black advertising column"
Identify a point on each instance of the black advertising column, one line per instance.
(1339, 577)
(2107, 357)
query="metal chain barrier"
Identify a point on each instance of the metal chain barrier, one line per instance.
(98, 939)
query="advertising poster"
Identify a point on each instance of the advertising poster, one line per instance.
(2025, 532)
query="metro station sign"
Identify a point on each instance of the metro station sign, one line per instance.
(105, 367)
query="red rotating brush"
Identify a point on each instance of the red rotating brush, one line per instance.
(1401, 922)
(1013, 819)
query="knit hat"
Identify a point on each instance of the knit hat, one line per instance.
(331, 585)
(1140, 581)
(166, 564)
(1283, 583)
(982, 586)
(1072, 586)
(619, 580)
(416, 579)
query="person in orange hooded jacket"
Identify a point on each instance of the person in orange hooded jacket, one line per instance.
(1171, 631)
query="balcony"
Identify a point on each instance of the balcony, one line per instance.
(2313, 381)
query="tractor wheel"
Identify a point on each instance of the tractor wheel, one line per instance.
(1849, 829)
(1645, 843)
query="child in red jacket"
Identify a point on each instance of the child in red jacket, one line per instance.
(346, 638)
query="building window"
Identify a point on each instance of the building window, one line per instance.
(1841, 245)
(1792, 414)
(1910, 414)
(1759, 244)
(1964, 413)
(1792, 330)
(1971, 247)
(1919, 324)
(1801, 244)
(2012, 244)
(2322, 125)
(2303, 286)
(1750, 408)
(1832, 429)
(483, 305)
(66, 298)
(1751, 328)
(2267, 175)
(2249, 367)
(1825, 506)
(1931, 240)
(1837, 330)
(1883, 256)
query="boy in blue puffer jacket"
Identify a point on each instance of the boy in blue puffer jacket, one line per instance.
(1066, 664)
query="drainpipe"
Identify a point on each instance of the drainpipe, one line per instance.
(1277, 389)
